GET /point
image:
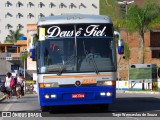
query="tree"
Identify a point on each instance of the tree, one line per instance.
(24, 56)
(23, 59)
(13, 36)
(139, 20)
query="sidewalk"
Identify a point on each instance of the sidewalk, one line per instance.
(2, 96)
(142, 92)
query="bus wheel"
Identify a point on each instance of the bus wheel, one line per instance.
(44, 109)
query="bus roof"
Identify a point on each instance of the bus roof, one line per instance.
(73, 19)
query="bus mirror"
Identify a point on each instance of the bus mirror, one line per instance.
(120, 43)
(120, 46)
(32, 46)
(32, 54)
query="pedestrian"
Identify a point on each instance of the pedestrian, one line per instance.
(14, 87)
(18, 90)
(31, 88)
(20, 80)
(7, 85)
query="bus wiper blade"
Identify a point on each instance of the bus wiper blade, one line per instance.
(69, 60)
(94, 64)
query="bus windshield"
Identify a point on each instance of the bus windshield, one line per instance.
(77, 54)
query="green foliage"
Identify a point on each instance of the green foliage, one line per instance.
(28, 82)
(139, 19)
(35, 39)
(24, 57)
(13, 36)
(155, 23)
(121, 23)
(126, 51)
(110, 8)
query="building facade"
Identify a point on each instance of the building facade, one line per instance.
(16, 14)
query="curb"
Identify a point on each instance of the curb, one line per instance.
(143, 92)
(138, 92)
(4, 97)
(1, 99)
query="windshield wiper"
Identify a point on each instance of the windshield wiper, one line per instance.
(69, 60)
(94, 64)
(92, 59)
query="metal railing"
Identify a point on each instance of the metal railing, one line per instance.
(10, 56)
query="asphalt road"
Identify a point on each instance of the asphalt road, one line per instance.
(125, 104)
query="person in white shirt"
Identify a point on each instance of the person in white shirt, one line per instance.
(7, 85)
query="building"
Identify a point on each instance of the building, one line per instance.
(10, 56)
(18, 13)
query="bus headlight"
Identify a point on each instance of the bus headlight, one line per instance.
(108, 94)
(48, 85)
(106, 83)
(53, 96)
(105, 94)
(46, 96)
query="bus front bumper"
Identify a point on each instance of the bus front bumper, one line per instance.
(77, 95)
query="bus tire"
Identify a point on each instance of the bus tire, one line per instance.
(44, 109)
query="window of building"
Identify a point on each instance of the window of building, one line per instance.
(82, 5)
(72, 6)
(19, 4)
(19, 26)
(7, 4)
(154, 39)
(155, 53)
(51, 5)
(11, 49)
(19, 15)
(8, 15)
(30, 4)
(14, 67)
(62, 5)
(41, 15)
(51, 14)
(30, 15)
(40, 5)
(8, 26)
(94, 5)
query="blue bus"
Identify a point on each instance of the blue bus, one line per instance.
(76, 60)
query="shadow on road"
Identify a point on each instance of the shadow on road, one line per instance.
(131, 104)
(136, 104)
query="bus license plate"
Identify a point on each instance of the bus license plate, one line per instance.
(78, 95)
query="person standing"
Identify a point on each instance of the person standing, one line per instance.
(31, 88)
(20, 80)
(7, 85)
